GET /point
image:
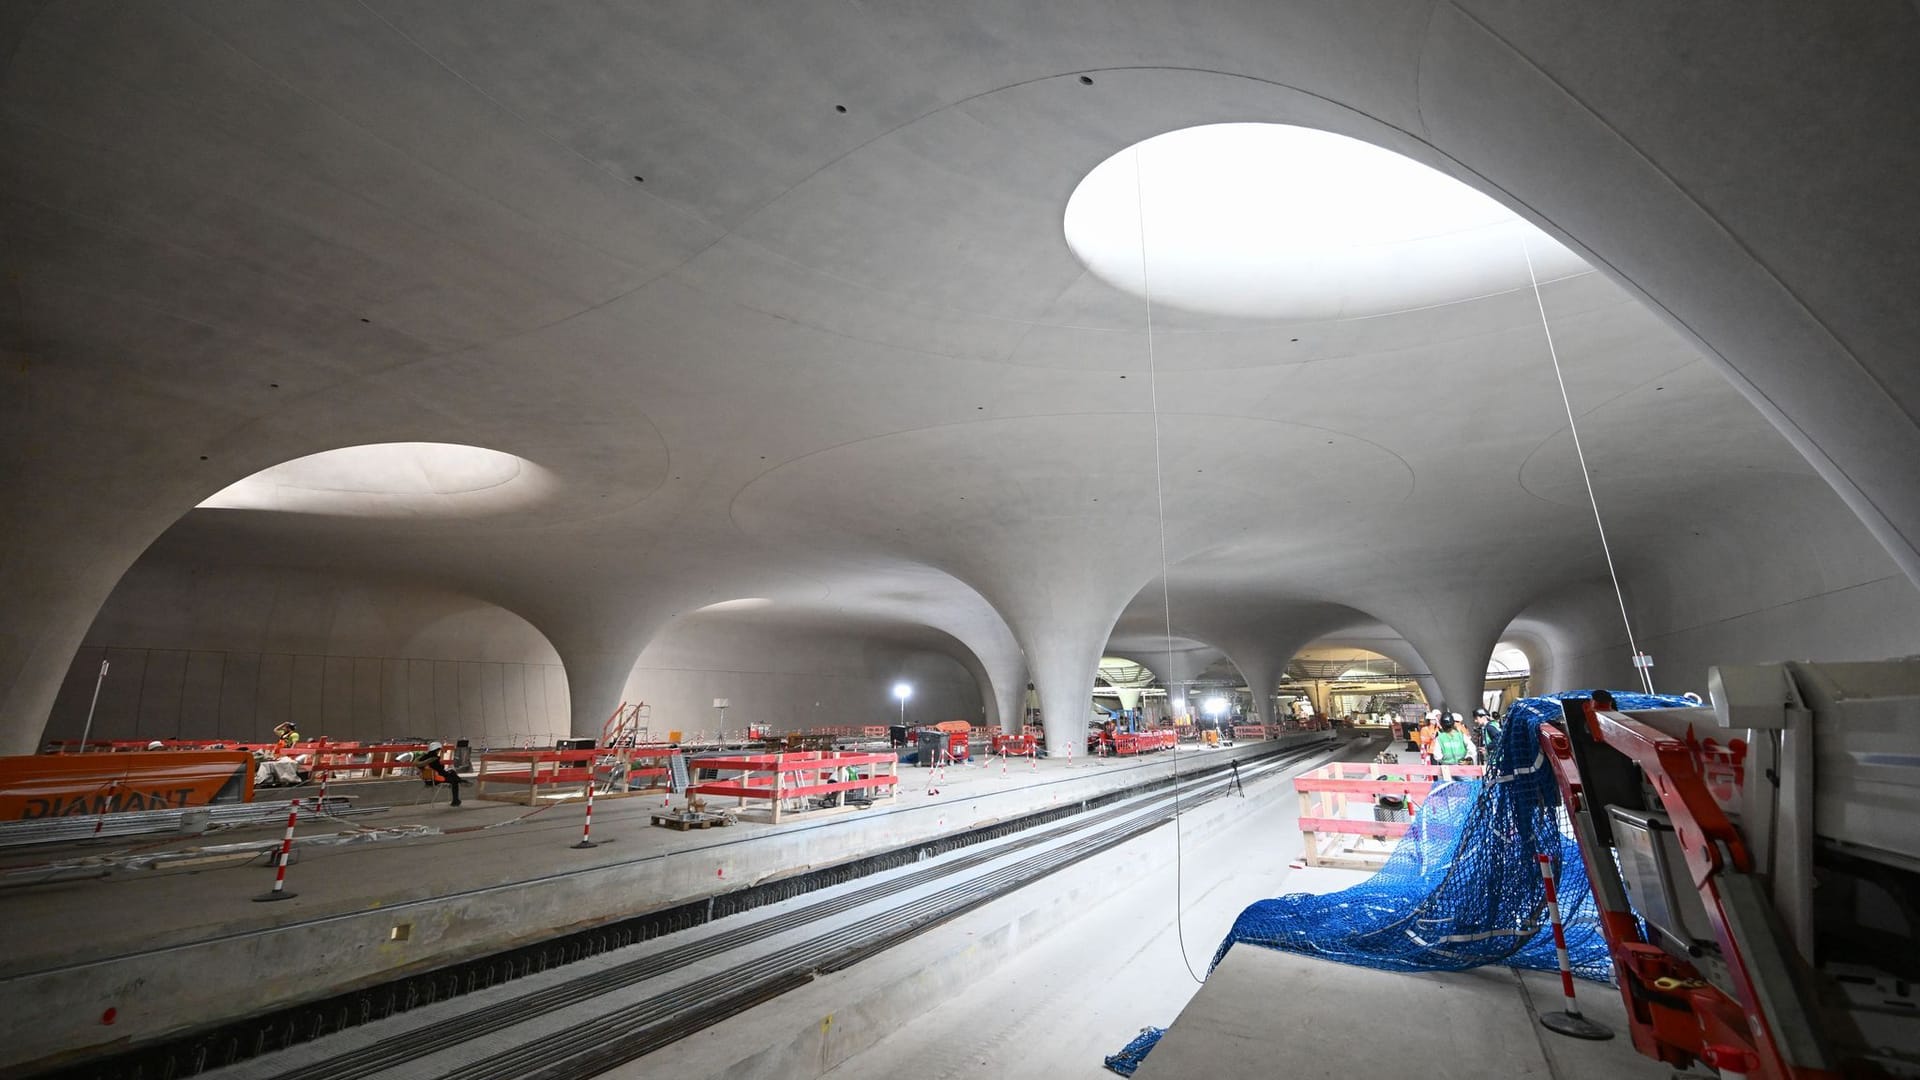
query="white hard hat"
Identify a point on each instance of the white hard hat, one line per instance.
(1433, 714)
(433, 746)
(156, 745)
(1457, 718)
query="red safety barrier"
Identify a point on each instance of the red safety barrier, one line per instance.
(1129, 743)
(1004, 745)
(529, 776)
(1325, 795)
(533, 773)
(795, 775)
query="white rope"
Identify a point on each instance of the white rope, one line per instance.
(1166, 598)
(1646, 674)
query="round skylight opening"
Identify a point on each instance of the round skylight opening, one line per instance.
(1276, 222)
(396, 480)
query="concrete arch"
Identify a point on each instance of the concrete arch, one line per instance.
(176, 331)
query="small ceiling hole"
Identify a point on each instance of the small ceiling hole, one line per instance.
(839, 108)
(273, 385)
(366, 320)
(639, 179)
(400, 932)
(1086, 80)
(203, 457)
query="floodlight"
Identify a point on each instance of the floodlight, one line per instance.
(902, 691)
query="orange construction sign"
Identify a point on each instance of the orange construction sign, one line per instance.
(70, 785)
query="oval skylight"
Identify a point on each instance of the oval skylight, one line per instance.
(1275, 222)
(413, 479)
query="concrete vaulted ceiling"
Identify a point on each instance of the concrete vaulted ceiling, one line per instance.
(778, 300)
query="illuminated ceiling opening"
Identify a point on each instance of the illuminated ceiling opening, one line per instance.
(392, 480)
(1276, 222)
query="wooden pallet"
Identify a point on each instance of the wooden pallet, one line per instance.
(672, 819)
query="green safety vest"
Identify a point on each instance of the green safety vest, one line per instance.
(1452, 747)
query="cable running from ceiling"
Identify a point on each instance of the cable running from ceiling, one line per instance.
(1166, 597)
(1573, 429)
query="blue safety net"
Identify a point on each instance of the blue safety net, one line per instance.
(1131, 1055)
(1463, 887)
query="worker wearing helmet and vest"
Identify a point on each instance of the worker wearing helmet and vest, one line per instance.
(1428, 731)
(1450, 744)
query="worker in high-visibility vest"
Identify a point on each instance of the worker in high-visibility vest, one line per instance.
(1428, 731)
(1450, 745)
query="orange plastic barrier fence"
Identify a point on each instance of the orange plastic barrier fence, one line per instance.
(1011, 745)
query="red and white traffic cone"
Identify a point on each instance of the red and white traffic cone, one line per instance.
(1570, 1022)
(279, 890)
(586, 827)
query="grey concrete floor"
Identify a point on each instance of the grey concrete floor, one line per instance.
(476, 845)
(1042, 983)
(1094, 967)
(484, 1046)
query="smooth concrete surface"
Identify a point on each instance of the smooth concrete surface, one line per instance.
(780, 304)
(1264, 1012)
(168, 951)
(1031, 984)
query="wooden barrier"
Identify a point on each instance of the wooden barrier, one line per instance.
(796, 775)
(1334, 837)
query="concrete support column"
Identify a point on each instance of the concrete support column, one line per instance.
(1064, 667)
(1261, 673)
(1429, 687)
(1459, 664)
(595, 679)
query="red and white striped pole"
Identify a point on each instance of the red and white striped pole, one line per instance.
(1569, 1022)
(113, 788)
(320, 761)
(279, 890)
(586, 827)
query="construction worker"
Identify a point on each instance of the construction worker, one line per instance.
(1426, 734)
(1450, 745)
(1487, 734)
(431, 766)
(285, 733)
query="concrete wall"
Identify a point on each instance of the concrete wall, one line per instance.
(1801, 581)
(197, 652)
(793, 676)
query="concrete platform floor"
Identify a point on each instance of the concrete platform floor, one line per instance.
(1089, 967)
(171, 949)
(475, 845)
(1042, 983)
(1264, 1012)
